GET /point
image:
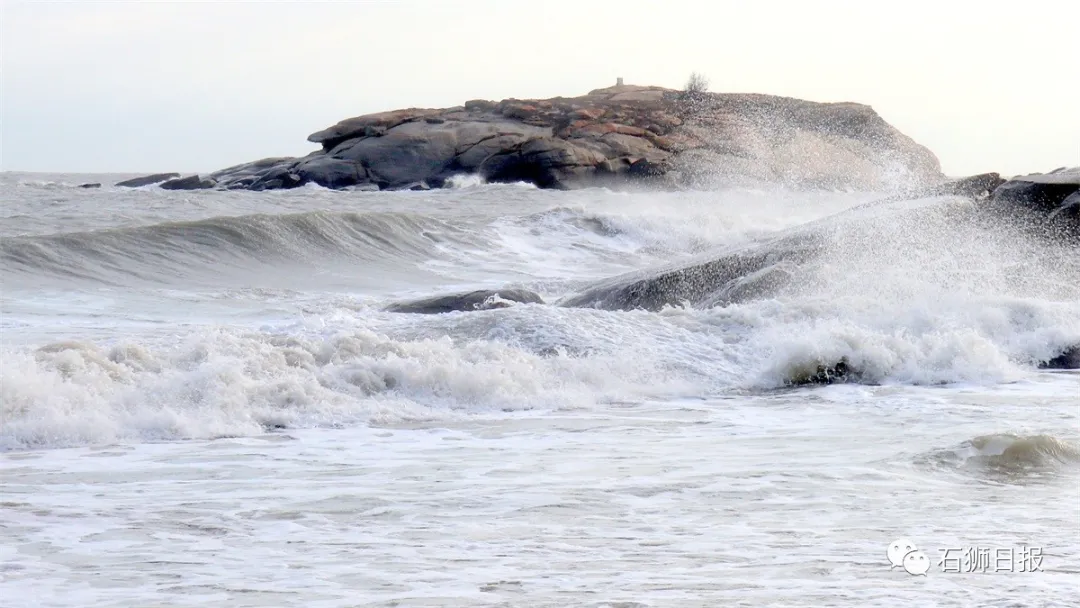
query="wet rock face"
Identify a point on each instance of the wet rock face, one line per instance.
(147, 180)
(744, 273)
(623, 133)
(840, 372)
(475, 300)
(193, 182)
(1044, 204)
(1055, 194)
(976, 186)
(1068, 359)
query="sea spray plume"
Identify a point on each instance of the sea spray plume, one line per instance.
(935, 284)
(754, 140)
(879, 238)
(922, 291)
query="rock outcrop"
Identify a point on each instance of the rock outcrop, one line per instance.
(193, 182)
(483, 299)
(1046, 205)
(147, 180)
(618, 134)
(1068, 359)
(1055, 195)
(737, 274)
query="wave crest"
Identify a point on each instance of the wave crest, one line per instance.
(175, 248)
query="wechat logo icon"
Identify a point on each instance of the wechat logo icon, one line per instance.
(903, 553)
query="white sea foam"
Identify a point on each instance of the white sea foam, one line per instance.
(465, 181)
(239, 426)
(228, 382)
(236, 382)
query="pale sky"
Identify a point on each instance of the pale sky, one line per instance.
(198, 86)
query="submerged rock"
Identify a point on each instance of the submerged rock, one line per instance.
(147, 180)
(618, 134)
(485, 299)
(1068, 359)
(840, 372)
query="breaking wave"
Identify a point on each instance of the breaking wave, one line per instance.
(748, 292)
(226, 382)
(352, 364)
(177, 248)
(1009, 457)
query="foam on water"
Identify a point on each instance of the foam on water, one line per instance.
(229, 382)
(354, 364)
(251, 424)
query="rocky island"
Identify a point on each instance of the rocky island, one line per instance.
(658, 137)
(636, 135)
(612, 136)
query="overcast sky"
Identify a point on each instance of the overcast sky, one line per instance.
(197, 86)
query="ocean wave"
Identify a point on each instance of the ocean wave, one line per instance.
(360, 365)
(230, 382)
(176, 248)
(941, 339)
(1008, 457)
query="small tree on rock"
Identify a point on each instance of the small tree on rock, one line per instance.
(697, 84)
(694, 97)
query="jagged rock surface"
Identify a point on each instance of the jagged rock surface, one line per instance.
(643, 134)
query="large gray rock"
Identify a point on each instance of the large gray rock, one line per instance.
(405, 154)
(147, 180)
(1045, 192)
(774, 266)
(485, 299)
(739, 274)
(622, 132)
(254, 168)
(1069, 208)
(547, 162)
(976, 186)
(367, 126)
(1048, 202)
(1068, 359)
(193, 182)
(255, 175)
(330, 172)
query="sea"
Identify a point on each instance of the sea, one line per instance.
(204, 402)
